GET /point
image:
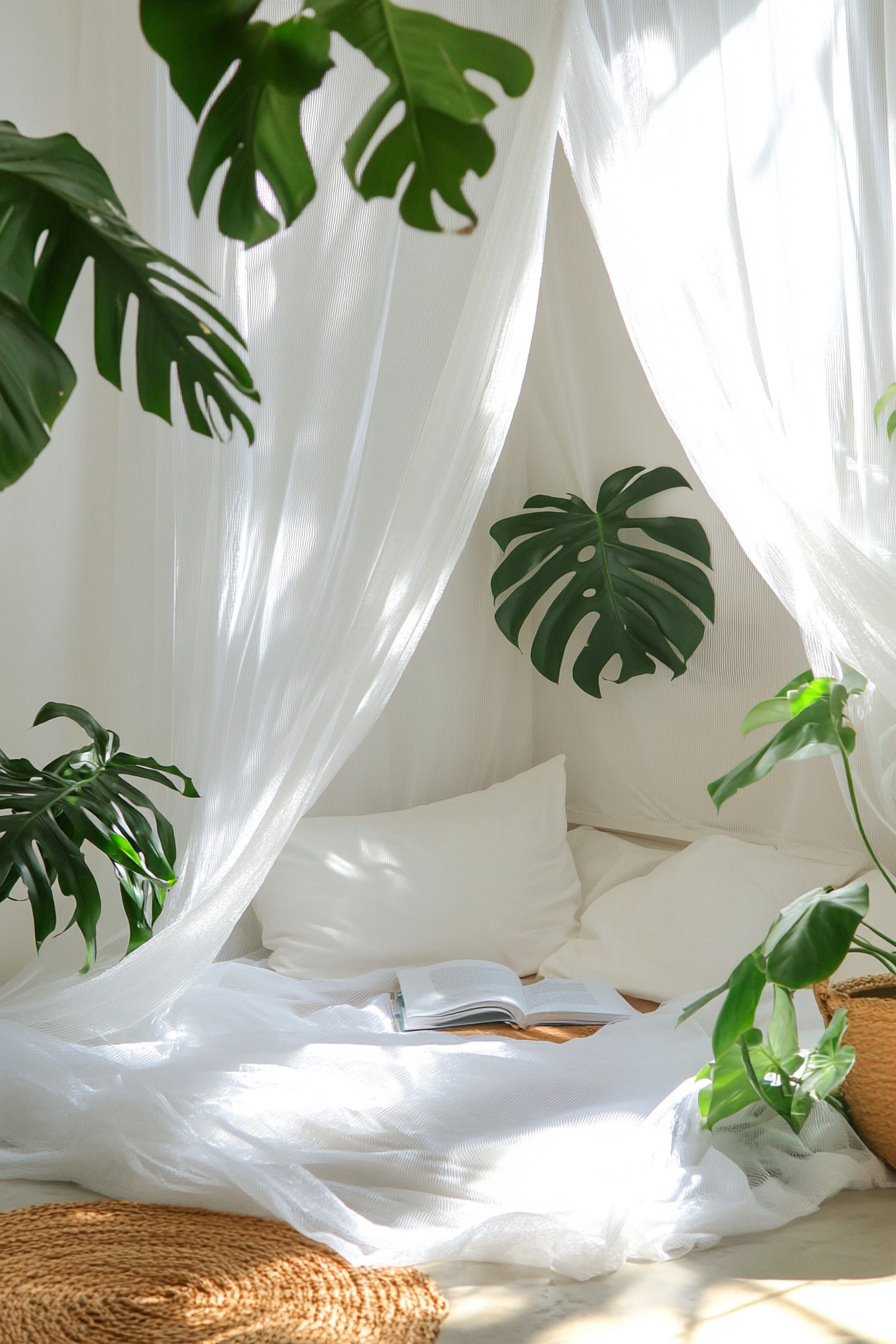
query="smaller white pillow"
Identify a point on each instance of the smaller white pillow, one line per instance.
(683, 928)
(488, 876)
(604, 861)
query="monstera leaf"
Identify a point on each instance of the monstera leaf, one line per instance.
(57, 209)
(36, 380)
(47, 816)
(640, 596)
(441, 133)
(254, 123)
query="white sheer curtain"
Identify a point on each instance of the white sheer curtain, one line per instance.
(306, 569)
(736, 160)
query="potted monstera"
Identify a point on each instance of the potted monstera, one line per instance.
(853, 1066)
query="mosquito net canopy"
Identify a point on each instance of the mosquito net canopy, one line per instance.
(711, 288)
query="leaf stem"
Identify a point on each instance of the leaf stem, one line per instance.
(885, 958)
(855, 808)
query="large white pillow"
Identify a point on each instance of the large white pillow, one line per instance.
(488, 875)
(682, 928)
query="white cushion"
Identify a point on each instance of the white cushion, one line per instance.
(604, 861)
(683, 927)
(488, 875)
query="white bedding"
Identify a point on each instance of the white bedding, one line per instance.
(258, 1093)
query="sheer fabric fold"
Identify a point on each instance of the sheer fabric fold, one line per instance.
(307, 567)
(297, 1099)
(736, 163)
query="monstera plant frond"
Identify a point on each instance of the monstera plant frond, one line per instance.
(643, 598)
(813, 712)
(86, 796)
(254, 125)
(57, 209)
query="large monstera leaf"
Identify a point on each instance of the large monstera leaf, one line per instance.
(36, 380)
(57, 209)
(87, 797)
(254, 124)
(642, 597)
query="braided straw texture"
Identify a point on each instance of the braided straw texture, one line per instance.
(121, 1273)
(870, 1087)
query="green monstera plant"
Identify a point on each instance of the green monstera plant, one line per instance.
(807, 941)
(642, 598)
(58, 208)
(86, 796)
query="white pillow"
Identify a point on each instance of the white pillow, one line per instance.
(682, 928)
(604, 861)
(488, 876)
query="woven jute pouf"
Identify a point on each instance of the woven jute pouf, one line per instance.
(870, 1087)
(121, 1273)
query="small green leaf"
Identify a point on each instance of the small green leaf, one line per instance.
(639, 596)
(748, 980)
(760, 1067)
(815, 724)
(852, 681)
(729, 1089)
(879, 406)
(105, 742)
(826, 1066)
(701, 1003)
(783, 1034)
(811, 936)
(777, 710)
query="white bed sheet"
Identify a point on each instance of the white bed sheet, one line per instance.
(257, 1093)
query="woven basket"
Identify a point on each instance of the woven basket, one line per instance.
(870, 1087)
(121, 1273)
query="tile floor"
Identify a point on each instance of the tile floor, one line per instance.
(827, 1279)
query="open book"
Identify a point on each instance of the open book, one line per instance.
(464, 993)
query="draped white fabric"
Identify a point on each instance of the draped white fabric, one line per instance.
(736, 161)
(255, 1092)
(306, 568)
(305, 571)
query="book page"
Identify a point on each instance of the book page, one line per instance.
(455, 984)
(582, 996)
